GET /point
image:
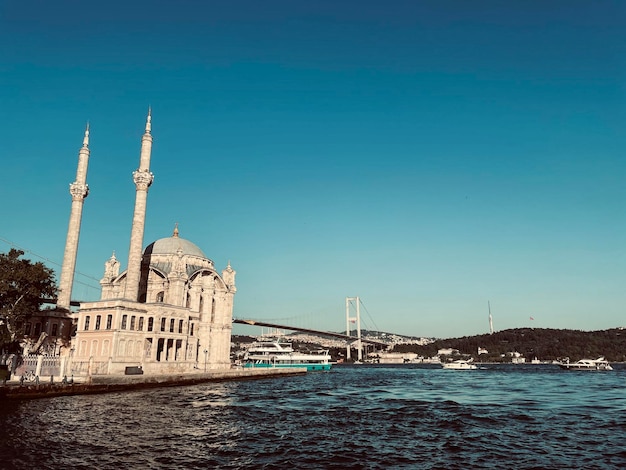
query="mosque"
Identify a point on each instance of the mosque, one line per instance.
(170, 311)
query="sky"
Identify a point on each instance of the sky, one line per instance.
(432, 158)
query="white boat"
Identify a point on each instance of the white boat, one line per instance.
(459, 364)
(266, 354)
(587, 364)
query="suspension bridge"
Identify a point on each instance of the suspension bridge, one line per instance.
(353, 316)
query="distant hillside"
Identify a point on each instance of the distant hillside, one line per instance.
(543, 343)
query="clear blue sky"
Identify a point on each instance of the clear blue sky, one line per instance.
(426, 156)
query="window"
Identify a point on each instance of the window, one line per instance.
(132, 322)
(191, 333)
(188, 302)
(160, 297)
(109, 321)
(150, 323)
(27, 328)
(140, 328)
(180, 326)
(37, 329)
(98, 318)
(162, 324)
(172, 321)
(54, 329)
(124, 321)
(86, 322)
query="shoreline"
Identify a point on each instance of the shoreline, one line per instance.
(121, 383)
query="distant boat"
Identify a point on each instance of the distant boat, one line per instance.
(459, 364)
(587, 364)
(276, 354)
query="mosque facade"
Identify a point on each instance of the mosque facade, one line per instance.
(170, 311)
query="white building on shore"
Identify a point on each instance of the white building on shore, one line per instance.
(170, 311)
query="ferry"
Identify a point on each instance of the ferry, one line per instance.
(277, 354)
(459, 365)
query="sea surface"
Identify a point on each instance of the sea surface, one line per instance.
(353, 417)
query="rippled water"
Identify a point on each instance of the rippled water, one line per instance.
(517, 417)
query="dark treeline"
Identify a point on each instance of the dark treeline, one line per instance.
(542, 343)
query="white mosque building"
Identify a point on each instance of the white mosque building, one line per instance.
(170, 311)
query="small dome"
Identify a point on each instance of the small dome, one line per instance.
(170, 246)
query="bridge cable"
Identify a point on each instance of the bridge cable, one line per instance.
(369, 315)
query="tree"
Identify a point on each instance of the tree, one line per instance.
(23, 285)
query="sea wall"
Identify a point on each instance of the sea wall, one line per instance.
(119, 383)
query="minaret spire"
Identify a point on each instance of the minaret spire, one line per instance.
(142, 178)
(86, 138)
(79, 191)
(149, 120)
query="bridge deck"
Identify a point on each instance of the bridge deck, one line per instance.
(306, 330)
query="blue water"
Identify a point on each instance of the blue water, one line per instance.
(369, 417)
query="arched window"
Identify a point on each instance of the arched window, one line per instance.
(188, 302)
(163, 324)
(124, 321)
(180, 326)
(160, 297)
(140, 327)
(98, 319)
(150, 323)
(109, 321)
(132, 322)
(87, 322)
(172, 325)
(201, 307)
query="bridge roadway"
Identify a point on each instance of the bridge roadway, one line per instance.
(76, 303)
(307, 330)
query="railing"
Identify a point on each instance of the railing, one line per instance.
(41, 366)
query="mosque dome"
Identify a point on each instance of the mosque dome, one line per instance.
(171, 245)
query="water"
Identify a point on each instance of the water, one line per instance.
(354, 417)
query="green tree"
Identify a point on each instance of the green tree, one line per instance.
(23, 285)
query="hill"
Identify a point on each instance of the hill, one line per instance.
(543, 343)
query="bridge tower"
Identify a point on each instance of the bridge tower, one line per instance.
(357, 319)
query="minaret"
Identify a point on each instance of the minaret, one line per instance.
(143, 179)
(79, 191)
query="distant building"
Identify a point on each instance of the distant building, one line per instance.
(447, 352)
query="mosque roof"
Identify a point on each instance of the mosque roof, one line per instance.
(171, 245)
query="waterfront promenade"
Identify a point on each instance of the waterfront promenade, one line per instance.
(16, 389)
